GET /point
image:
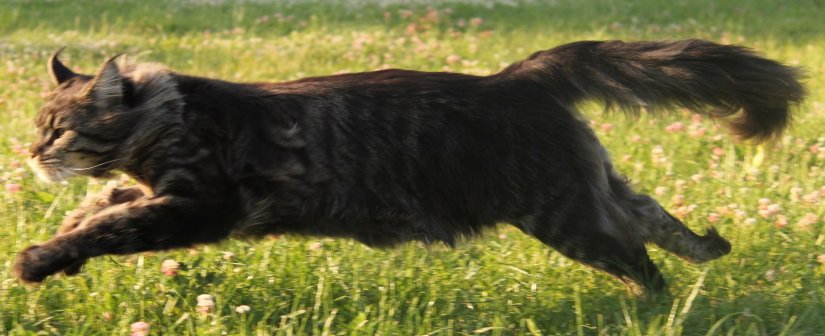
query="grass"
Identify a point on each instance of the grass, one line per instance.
(502, 284)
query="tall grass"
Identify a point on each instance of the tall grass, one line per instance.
(767, 199)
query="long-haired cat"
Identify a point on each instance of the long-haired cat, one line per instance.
(390, 156)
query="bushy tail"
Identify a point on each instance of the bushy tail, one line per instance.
(752, 93)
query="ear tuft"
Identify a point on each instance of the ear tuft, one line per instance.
(107, 85)
(59, 72)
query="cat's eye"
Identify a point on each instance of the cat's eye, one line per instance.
(57, 133)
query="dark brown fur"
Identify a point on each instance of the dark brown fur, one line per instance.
(390, 156)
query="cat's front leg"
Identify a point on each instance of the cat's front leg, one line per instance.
(90, 206)
(148, 223)
(97, 202)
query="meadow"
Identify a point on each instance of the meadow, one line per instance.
(767, 199)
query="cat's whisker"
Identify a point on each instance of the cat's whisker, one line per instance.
(63, 173)
(97, 165)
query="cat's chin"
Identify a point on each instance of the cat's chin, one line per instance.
(47, 175)
(52, 176)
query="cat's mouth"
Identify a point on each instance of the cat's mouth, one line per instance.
(49, 172)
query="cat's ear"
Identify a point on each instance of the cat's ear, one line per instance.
(59, 72)
(107, 88)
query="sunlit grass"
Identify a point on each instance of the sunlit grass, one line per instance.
(767, 200)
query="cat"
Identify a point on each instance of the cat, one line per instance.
(390, 156)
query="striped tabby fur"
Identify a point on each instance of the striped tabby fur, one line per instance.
(390, 156)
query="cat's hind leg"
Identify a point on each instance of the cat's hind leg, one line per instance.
(582, 230)
(657, 226)
(669, 233)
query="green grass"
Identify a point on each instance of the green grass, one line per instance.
(503, 284)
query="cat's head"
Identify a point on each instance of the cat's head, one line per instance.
(89, 122)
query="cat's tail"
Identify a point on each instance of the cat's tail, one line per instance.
(751, 93)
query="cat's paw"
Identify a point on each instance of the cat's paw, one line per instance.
(33, 264)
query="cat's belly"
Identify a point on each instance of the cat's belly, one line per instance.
(373, 228)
